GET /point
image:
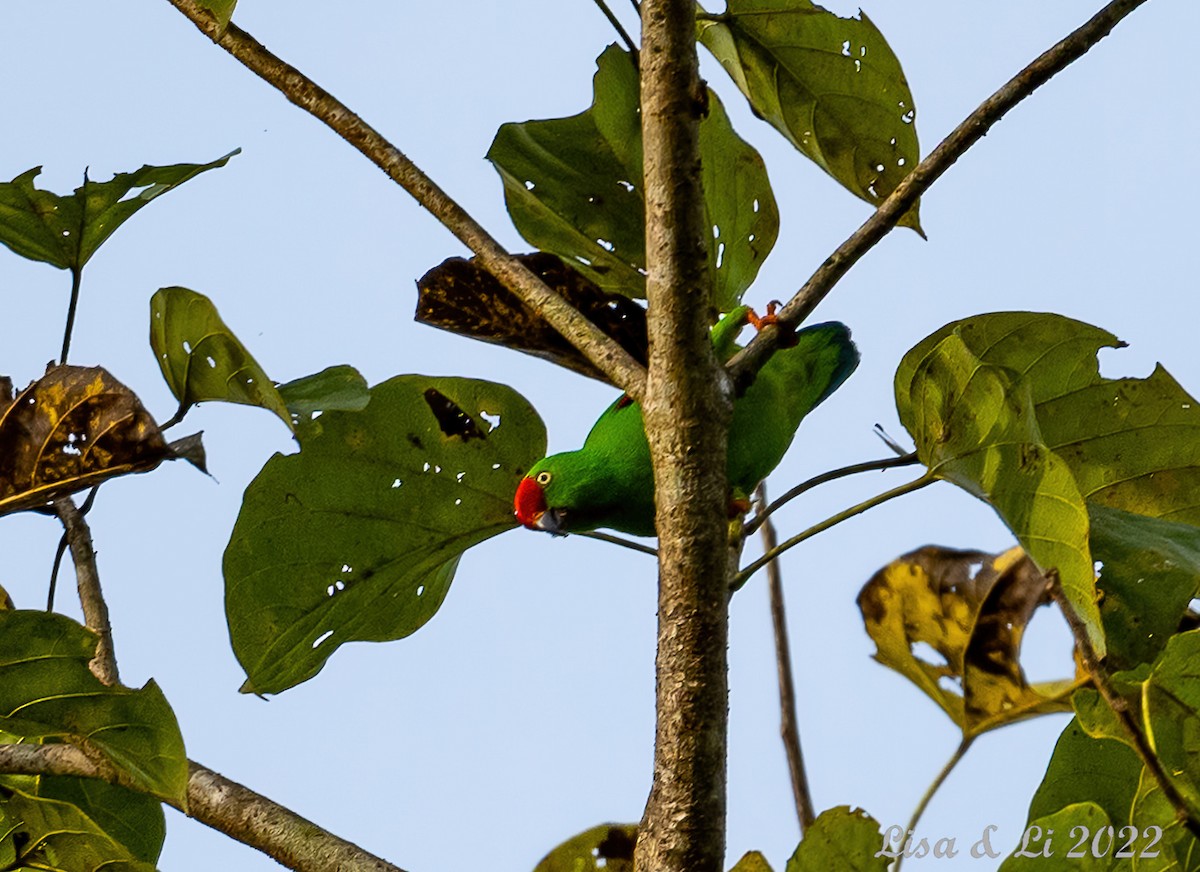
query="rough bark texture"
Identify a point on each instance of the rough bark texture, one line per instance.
(687, 410)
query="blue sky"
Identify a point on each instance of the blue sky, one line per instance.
(523, 712)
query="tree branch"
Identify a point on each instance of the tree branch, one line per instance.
(934, 787)
(746, 364)
(789, 730)
(621, 31)
(91, 598)
(686, 412)
(217, 802)
(606, 354)
(1095, 669)
(832, 521)
(825, 477)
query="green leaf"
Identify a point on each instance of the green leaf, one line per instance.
(134, 820)
(334, 389)
(1150, 572)
(1131, 444)
(752, 861)
(48, 692)
(974, 425)
(1048, 841)
(201, 359)
(1171, 711)
(58, 836)
(358, 535)
(574, 187)
(222, 11)
(842, 839)
(65, 231)
(608, 847)
(1086, 769)
(1178, 850)
(832, 86)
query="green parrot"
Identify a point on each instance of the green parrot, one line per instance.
(609, 481)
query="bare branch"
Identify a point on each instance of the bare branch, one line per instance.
(91, 598)
(934, 787)
(618, 540)
(825, 477)
(687, 411)
(217, 802)
(1096, 670)
(606, 354)
(789, 730)
(751, 359)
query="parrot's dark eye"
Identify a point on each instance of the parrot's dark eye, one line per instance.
(543, 478)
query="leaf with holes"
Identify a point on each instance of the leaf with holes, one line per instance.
(460, 296)
(832, 86)
(134, 820)
(47, 691)
(974, 425)
(201, 359)
(71, 429)
(357, 537)
(970, 610)
(841, 838)
(608, 847)
(52, 835)
(573, 187)
(65, 231)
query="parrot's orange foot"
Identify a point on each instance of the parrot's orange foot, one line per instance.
(738, 507)
(789, 336)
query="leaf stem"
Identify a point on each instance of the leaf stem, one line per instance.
(613, 360)
(76, 281)
(832, 475)
(789, 729)
(621, 31)
(934, 787)
(1096, 670)
(747, 362)
(908, 487)
(618, 540)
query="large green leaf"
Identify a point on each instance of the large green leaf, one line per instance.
(608, 847)
(1051, 842)
(1087, 769)
(1171, 711)
(974, 424)
(48, 692)
(58, 837)
(358, 535)
(832, 86)
(574, 187)
(1131, 444)
(201, 359)
(1178, 850)
(335, 388)
(1150, 571)
(132, 819)
(65, 231)
(843, 839)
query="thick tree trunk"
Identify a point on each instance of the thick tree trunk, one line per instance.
(687, 410)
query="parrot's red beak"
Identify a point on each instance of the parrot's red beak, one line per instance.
(530, 503)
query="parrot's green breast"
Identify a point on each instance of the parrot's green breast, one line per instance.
(609, 482)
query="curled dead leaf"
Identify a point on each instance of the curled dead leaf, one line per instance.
(69, 430)
(952, 621)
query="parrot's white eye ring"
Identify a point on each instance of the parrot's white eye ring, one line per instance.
(543, 478)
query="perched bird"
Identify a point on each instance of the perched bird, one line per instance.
(609, 481)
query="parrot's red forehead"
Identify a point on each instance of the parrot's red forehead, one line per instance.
(529, 503)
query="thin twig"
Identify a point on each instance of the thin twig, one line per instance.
(832, 521)
(76, 279)
(933, 788)
(58, 556)
(598, 347)
(217, 802)
(1096, 670)
(91, 598)
(789, 729)
(747, 362)
(618, 540)
(637, 7)
(832, 475)
(620, 29)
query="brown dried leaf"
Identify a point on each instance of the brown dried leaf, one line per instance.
(461, 296)
(69, 430)
(969, 609)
